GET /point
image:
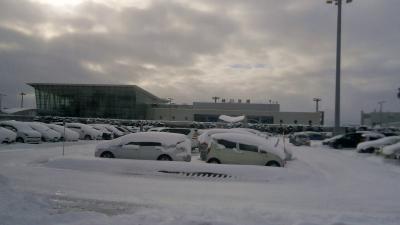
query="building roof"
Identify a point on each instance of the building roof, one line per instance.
(16, 110)
(137, 88)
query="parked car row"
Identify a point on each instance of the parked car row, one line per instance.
(36, 132)
(385, 143)
(227, 146)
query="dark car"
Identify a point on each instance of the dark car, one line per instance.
(351, 140)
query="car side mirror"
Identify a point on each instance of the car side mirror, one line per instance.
(131, 147)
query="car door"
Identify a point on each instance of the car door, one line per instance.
(130, 150)
(250, 155)
(230, 154)
(150, 150)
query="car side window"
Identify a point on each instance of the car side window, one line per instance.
(145, 143)
(227, 144)
(249, 148)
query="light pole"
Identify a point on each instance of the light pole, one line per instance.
(1, 101)
(22, 99)
(338, 3)
(380, 103)
(317, 100)
(170, 103)
(215, 98)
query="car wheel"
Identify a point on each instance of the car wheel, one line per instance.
(107, 155)
(273, 164)
(87, 137)
(164, 158)
(214, 161)
(20, 139)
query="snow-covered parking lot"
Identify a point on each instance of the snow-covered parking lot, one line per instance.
(321, 186)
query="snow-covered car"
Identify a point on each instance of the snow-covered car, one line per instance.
(25, 133)
(115, 132)
(106, 134)
(85, 132)
(299, 139)
(70, 135)
(7, 136)
(48, 134)
(230, 148)
(372, 146)
(332, 139)
(351, 140)
(391, 151)
(189, 132)
(205, 137)
(147, 146)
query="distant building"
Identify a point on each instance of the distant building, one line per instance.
(132, 102)
(378, 118)
(255, 113)
(93, 100)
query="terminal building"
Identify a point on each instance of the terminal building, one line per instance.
(133, 102)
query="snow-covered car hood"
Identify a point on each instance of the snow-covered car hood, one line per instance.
(390, 149)
(378, 143)
(5, 133)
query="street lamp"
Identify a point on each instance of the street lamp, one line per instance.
(1, 100)
(215, 98)
(169, 111)
(22, 99)
(338, 3)
(316, 100)
(380, 103)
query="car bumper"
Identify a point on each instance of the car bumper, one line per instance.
(33, 140)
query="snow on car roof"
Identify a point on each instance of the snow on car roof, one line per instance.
(382, 141)
(18, 124)
(205, 136)
(164, 138)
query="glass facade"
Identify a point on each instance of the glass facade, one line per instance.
(93, 101)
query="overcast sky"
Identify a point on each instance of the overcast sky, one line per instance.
(193, 50)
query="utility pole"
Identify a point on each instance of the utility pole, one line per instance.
(398, 94)
(380, 103)
(215, 98)
(22, 99)
(317, 100)
(170, 105)
(1, 101)
(338, 3)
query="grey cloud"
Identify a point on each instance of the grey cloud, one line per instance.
(189, 50)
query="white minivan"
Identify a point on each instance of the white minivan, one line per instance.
(85, 132)
(148, 146)
(48, 134)
(25, 133)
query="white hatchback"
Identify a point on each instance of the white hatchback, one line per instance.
(148, 146)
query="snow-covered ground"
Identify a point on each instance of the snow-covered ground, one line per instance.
(321, 186)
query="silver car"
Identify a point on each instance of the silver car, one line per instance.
(148, 146)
